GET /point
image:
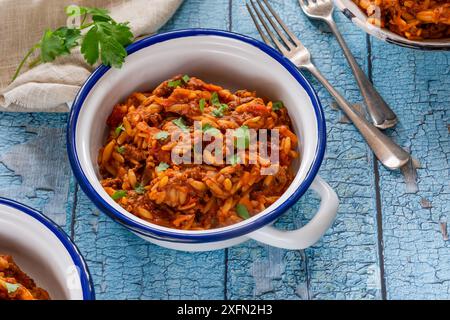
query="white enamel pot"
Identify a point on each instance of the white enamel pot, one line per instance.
(233, 61)
(44, 251)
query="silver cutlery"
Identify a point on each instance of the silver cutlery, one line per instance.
(387, 151)
(381, 114)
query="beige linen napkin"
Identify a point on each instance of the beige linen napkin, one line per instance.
(48, 87)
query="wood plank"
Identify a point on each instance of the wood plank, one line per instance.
(344, 263)
(126, 267)
(33, 163)
(200, 14)
(417, 258)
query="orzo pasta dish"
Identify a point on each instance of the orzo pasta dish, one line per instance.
(413, 19)
(15, 284)
(138, 171)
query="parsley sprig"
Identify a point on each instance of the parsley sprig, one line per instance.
(277, 105)
(10, 287)
(210, 130)
(181, 124)
(162, 167)
(119, 194)
(221, 108)
(162, 135)
(119, 129)
(201, 105)
(242, 211)
(140, 189)
(99, 35)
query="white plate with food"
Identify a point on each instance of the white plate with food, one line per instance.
(38, 261)
(414, 24)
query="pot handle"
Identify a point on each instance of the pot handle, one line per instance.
(309, 234)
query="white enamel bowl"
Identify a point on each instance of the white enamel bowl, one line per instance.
(43, 251)
(358, 17)
(233, 61)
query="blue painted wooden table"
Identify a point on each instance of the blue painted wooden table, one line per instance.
(389, 239)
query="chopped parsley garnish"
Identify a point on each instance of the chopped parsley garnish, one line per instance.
(215, 99)
(206, 127)
(121, 149)
(162, 135)
(277, 105)
(242, 136)
(186, 78)
(180, 124)
(10, 287)
(119, 129)
(140, 189)
(162, 167)
(201, 105)
(220, 107)
(242, 211)
(210, 130)
(218, 113)
(119, 195)
(174, 83)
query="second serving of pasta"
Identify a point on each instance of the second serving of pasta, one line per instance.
(137, 168)
(413, 19)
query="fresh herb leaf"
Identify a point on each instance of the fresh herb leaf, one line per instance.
(51, 46)
(162, 135)
(277, 105)
(121, 149)
(162, 167)
(107, 41)
(69, 36)
(119, 195)
(119, 31)
(119, 129)
(174, 83)
(242, 136)
(242, 211)
(180, 124)
(140, 189)
(104, 39)
(90, 48)
(215, 99)
(10, 287)
(218, 113)
(186, 78)
(201, 104)
(210, 130)
(101, 18)
(206, 127)
(57, 43)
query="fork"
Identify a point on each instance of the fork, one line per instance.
(387, 151)
(382, 116)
